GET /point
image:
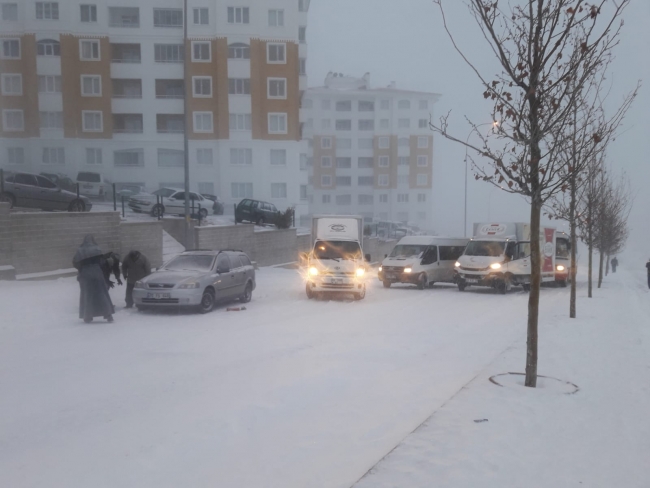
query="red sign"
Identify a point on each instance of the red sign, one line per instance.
(548, 250)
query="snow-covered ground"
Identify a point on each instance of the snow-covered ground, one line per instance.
(298, 393)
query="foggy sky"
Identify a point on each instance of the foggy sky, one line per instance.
(404, 41)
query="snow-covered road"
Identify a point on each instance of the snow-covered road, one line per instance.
(289, 393)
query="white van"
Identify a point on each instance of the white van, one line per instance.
(94, 185)
(422, 261)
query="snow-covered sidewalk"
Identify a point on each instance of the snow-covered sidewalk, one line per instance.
(597, 437)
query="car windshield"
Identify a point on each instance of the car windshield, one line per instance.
(562, 248)
(89, 177)
(407, 250)
(337, 250)
(193, 262)
(485, 248)
(164, 192)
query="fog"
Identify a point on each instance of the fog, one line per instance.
(405, 42)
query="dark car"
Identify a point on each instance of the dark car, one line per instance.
(217, 206)
(35, 191)
(62, 181)
(256, 211)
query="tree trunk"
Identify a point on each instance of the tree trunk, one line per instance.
(533, 298)
(574, 243)
(607, 266)
(601, 259)
(591, 253)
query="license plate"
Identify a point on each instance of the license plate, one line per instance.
(391, 275)
(158, 296)
(471, 280)
(87, 186)
(336, 281)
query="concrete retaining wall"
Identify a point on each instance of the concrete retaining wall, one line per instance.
(145, 237)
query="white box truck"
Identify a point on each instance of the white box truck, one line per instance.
(336, 262)
(498, 256)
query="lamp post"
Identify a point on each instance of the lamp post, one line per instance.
(189, 244)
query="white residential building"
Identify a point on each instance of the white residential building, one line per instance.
(370, 150)
(97, 85)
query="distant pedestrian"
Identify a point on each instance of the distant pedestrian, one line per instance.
(614, 264)
(94, 300)
(134, 267)
(647, 265)
(111, 265)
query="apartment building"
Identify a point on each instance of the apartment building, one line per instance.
(370, 150)
(98, 85)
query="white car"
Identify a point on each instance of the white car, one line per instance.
(169, 201)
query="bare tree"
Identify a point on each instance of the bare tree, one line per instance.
(547, 51)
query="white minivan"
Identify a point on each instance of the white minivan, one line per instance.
(94, 185)
(422, 261)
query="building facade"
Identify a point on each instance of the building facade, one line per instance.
(370, 150)
(98, 85)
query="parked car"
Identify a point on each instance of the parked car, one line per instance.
(62, 181)
(173, 202)
(93, 184)
(256, 211)
(35, 191)
(128, 191)
(198, 279)
(217, 207)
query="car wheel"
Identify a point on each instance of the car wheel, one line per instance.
(431, 283)
(309, 291)
(387, 283)
(204, 213)
(207, 301)
(8, 198)
(563, 283)
(158, 210)
(248, 293)
(360, 295)
(461, 286)
(76, 206)
(422, 281)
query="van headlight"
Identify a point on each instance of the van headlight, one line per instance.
(559, 267)
(188, 286)
(380, 268)
(495, 266)
(139, 284)
(313, 271)
(407, 270)
(457, 264)
(360, 272)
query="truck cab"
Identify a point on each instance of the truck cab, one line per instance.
(562, 258)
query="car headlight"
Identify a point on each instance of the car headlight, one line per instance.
(360, 272)
(559, 267)
(495, 266)
(380, 268)
(313, 271)
(407, 270)
(457, 264)
(189, 286)
(138, 284)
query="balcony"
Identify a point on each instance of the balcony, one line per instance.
(170, 123)
(125, 53)
(170, 89)
(124, 17)
(127, 88)
(127, 123)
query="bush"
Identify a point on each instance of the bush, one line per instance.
(284, 220)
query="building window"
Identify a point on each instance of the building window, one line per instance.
(423, 161)
(49, 84)
(423, 123)
(423, 142)
(326, 198)
(367, 124)
(302, 66)
(277, 88)
(204, 156)
(238, 15)
(422, 197)
(48, 47)
(424, 105)
(303, 161)
(91, 85)
(127, 123)
(240, 121)
(88, 13)
(303, 5)
(403, 161)
(384, 142)
(93, 156)
(202, 86)
(382, 180)
(326, 162)
(51, 120)
(303, 192)
(365, 181)
(276, 18)
(326, 180)
(384, 124)
(403, 142)
(125, 53)
(89, 50)
(15, 155)
(239, 50)
(404, 105)
(276, 53)
(366, 162)
(9, 11)
(170, 88)
(344, 124)
(203, 122)
(201, 16)
(11, 48)
(13, 120)
(343, 143)
(383, 198)
(124, 17)
(241, 190)
(344, 199)
(278, 190)
(201, 52)
(326, 142)
(366, 106)
(326, 124)
(126, 88)
(171, 158)
(344, 106)
(239, 86)
(170, 123)
(128, 158)
(169, 53)
(365, 143)
(92, 121)
(402, 198)
(344, 181)
(404, 123)
(326, 104)
(240, 156)
(47, 10)
(302, 34)
(168, 17)
(422, 179)
(12, 84)
(366, 200)
(53, 155)
(278, 157)
(383, 162)
(277, 123)
(403, 179)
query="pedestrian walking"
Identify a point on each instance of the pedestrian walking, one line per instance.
(111, 265)
(94, 300)
(614, 264)
(647, 265)
(134, 267)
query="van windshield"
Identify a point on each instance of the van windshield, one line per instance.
(407, 250)
(337, 250)
(89, 177)
(485, 248)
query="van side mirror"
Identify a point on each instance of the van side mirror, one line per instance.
(367, 256)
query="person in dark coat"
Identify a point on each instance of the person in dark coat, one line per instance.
(614, 264)
(647, 265)
(134, 267)
(111, 264)
(94, 300)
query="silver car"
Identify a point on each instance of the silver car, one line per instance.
(35, 191)
(198, 279)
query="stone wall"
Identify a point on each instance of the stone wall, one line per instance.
(145, 237)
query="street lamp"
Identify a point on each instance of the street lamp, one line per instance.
(493, 124)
